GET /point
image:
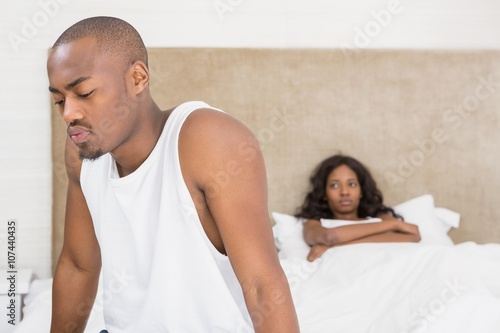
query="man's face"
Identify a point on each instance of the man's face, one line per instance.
(91, 92)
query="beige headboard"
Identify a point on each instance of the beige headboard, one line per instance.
(423, 121)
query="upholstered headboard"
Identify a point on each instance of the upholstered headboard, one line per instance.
(423, 121)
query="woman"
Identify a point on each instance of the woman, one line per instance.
(344, 189)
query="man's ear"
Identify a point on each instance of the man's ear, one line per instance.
(140, 76)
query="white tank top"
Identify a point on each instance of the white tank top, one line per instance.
(160, 271)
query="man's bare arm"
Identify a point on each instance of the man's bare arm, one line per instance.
(238, 204)
(77, 272)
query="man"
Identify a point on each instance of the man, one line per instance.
(179, 251)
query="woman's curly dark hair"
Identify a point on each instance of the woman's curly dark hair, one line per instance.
(315, 205)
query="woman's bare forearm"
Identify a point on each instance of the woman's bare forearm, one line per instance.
(314, 233)
(388, 237)
(354, 232)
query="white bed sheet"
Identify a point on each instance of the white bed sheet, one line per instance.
(368, 288)
(398, 288)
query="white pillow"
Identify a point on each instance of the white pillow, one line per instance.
(447, 218)
(421, 211)
(433, 223)
(288, 237)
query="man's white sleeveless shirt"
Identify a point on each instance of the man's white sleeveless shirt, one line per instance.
(160, 271)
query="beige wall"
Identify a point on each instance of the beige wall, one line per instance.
(424, 122)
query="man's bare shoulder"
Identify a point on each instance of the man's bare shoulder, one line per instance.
(211, 141)
(211, 129)
(213, 119)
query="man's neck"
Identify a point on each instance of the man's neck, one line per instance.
(130, 157)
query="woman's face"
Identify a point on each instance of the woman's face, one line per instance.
(343, 193)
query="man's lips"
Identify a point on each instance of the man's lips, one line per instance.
(78, 135)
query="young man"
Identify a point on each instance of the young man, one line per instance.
(179, 251)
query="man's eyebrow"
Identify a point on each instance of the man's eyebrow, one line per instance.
(71, 85)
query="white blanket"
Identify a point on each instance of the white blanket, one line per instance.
(398, 288)
(368, 288)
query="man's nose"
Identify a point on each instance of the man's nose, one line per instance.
(71, 112)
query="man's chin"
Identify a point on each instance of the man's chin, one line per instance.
(90, 155)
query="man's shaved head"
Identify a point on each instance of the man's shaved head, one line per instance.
(114, 37)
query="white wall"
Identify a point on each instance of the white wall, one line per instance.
(28, 29)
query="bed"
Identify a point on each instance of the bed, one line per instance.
(398, 288)
(432, 286)
(425, 122)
